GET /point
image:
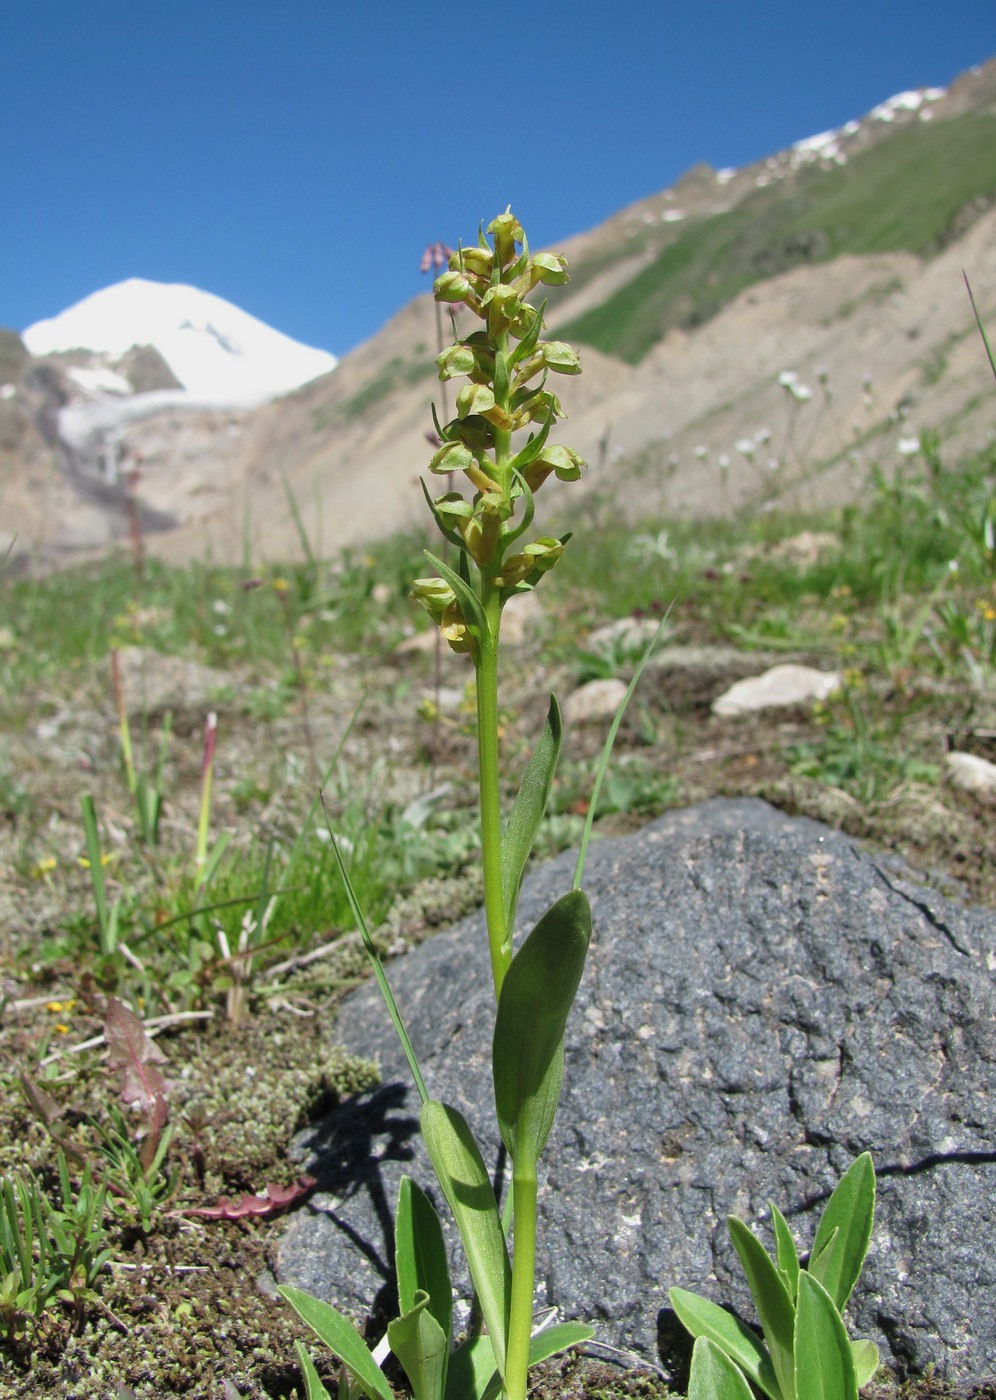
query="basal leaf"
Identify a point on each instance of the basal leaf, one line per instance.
(714, 1375)
(536, 997)
(466, 1185)
(422, 1347)
(704, 1319)
(420, 1255)
(824, 1362)
(341, 1338)
(851, 1212)
(771, 1298)
(527, 813)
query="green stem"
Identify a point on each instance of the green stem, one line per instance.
(499, 936)
(520, 1320)
(487, 751)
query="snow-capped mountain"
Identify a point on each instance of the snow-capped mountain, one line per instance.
(218, 353)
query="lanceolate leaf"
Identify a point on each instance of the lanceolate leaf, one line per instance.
(527, 813)
(420, 1255)
(464, 1179)
(771, 1298)
(714, 1376)
(824, 1362)
(850, 1211)
(705, 1319)
(342, 1338)
(422, 1347)
(536, 997)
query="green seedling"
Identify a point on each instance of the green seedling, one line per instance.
(806, 1353)
(50, 1255)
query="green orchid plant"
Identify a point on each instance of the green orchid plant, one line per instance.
(500, 441)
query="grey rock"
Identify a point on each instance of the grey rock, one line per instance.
(763, 1001)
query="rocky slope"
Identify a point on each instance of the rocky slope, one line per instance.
(818, 340)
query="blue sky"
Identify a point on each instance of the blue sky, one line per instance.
(296, 156)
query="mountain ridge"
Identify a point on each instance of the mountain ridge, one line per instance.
(697, 416)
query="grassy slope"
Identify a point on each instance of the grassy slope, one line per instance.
(903, 194)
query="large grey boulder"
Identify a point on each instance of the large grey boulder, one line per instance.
(763, 1000)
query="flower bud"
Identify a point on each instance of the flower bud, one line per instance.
(550, 268)
(479, 399)
(540, 556)
(456, 359)
(507, 232)
(502, 306)
(553, 458)
(560, 357)
(456, 287)
(475, 260)
(451, 457)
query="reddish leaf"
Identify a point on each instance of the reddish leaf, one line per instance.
(274, 1199)
(136, 1057)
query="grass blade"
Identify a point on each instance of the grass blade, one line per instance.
(377, 964)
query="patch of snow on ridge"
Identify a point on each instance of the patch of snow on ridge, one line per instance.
(906, 102)
(219, 353)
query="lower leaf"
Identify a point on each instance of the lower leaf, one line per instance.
(714, 1376)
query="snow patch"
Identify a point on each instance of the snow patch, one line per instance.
(219, 353)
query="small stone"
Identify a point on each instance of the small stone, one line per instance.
(782, 685)
(971, 773)
(596, 701)
(628, 633)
